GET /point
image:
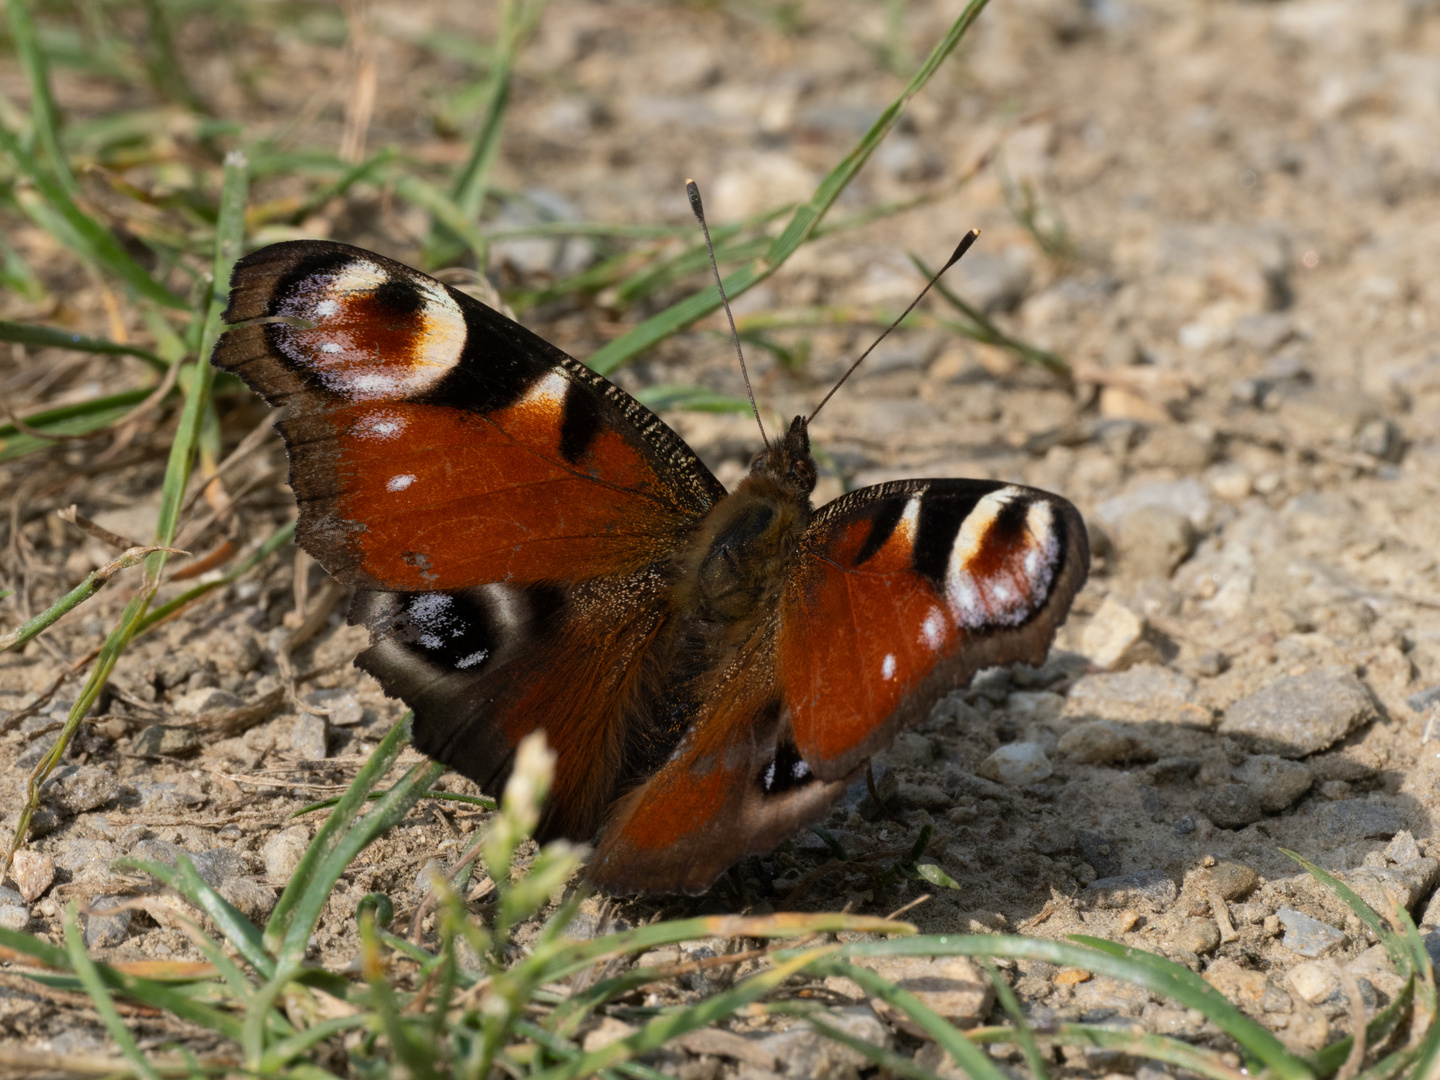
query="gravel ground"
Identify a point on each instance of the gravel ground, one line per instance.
(1240, 202)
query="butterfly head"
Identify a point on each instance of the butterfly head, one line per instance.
(788, 462)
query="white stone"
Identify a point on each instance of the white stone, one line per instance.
(1112, 633)
(1017, 764)
(1314, 981)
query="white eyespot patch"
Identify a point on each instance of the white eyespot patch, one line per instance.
(376, 331)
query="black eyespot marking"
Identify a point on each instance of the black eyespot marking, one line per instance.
(882, 527)
(450, 629)
(786, 771)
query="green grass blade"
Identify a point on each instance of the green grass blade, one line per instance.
(370, 774)
(1184, 986)
(971, 1059)
(45, 953)
(1154, 973)
(89, 238)
(1395, 945)
(146, 991)
(383, 816)
(80, 418)
(691, 398)
(100, 996)
(276, 540)
(428, 197)
(1326, 1060)
(802, 223)
(518, 19)
(229, 242)
(177, 472)
(1172, 1051)
(286, 1050)
(893, 1063)
(671, 1025)
(980, 327)
(96, 581)
(45, 115)
(52, 337)
(808, 216)
(565, 958)
(242, 934)
(1427, 1061)
(1023, 1033)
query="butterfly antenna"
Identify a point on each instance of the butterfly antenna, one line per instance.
(693, 190)
(960, 250)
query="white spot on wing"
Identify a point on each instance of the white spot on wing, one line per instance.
(799, 771)
(379, 425)
(932, 630)
(344, 354)
(473, 659)
(399, 483)
(770, 775)
(887, 667)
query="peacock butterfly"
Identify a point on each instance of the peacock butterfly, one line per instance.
(530, 547)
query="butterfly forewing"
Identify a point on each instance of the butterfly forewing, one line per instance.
(901, 592)
(435, 444)
(507, 515)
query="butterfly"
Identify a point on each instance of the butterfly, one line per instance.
(530, 547)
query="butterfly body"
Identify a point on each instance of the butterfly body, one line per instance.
(532, 548)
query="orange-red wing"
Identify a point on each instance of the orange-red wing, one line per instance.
(734, 786)
(483, 667)
(437, 445)
(900, 593)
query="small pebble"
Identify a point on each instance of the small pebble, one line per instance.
(342, 706)
(106, 931)
(165, 739)
(1403, 848)
(14, 912)
(1276, 781)
(1017, 764)
(1154, 540)
(1228, 880)
(33, 873)
(1103, 742)
(1071, 976)
(1298, 715)
(1112, 635)
(309, 737)
(1307, 936)
(1313, 981)
(1231, 806)
(282, 853)
(1199, 936)
(1148, 888)
(78, 789)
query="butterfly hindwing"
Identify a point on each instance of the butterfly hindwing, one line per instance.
(900, 593)
(734, 786)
